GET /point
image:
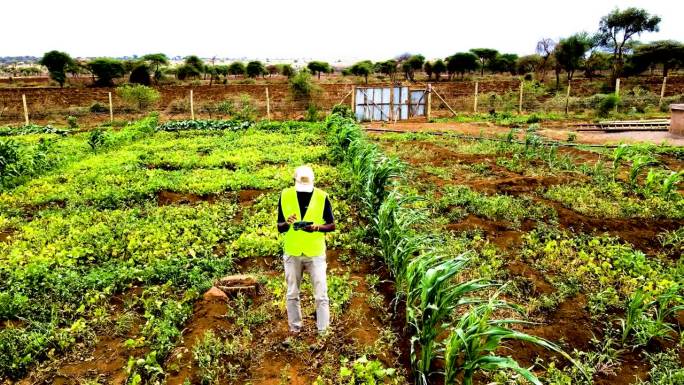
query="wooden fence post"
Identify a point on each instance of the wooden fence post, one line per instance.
(567, 99)
(617, 91)
(353, 101)
(268, 105)
(26, 118)
(391, 104)
(428, 104)
(520, 98)
(477, 88)
(192, 107)
(111, 109)
(662, 90)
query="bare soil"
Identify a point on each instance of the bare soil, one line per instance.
(170, 197)
(555, 131)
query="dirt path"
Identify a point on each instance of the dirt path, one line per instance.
(554, 130)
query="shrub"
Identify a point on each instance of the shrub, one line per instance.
(9, 157)
(312, 113)
(302, 87)
(179, 106)
(245, 109)
(96, 139)
(72, 121)
(98, 108)
(140, 75)
(606, 104)
(343, 110)
(226, 107)
(534, 118)
(138, 95)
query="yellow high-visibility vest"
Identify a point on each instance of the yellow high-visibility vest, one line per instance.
(299, 242)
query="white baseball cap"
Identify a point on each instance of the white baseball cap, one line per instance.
(304, 179)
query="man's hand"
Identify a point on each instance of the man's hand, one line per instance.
(291, 219)
(311, 228)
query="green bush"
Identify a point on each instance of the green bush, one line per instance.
(302, 87)
(607, 104)
(98, 108)
(97, 138)
(138, 95)
(312, 113)
(72, 121)
(343, 110)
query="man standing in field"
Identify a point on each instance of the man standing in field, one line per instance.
(304, 216)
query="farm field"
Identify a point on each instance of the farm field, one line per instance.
(107, 252)
(455, 260)
(579, 234)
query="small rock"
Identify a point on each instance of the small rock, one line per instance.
(215, 292)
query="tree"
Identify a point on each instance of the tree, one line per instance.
(411, 65)
(272, 69)
(618, 27)
(484, 55)
(438, 68)
(213, 72)
(569, 52)
(57, 63)
(318, 67)
(545, 49)
(287, 70)
(255, 68)
(195, 62)
(105, 70)
(461, 62)
(388, 68)
(528, 64)
(503, 63)
(362, 68)
(185, 71)
(156, 60)
(192, 67)
(236, 68)
(427, 68)
(668, 54)
(597, 61)
(140, 74)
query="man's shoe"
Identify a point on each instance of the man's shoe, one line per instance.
(290, 339)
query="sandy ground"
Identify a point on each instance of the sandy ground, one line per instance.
(558, 132)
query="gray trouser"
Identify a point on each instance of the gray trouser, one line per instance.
(315, 266)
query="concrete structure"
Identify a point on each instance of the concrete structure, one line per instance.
(677, 119)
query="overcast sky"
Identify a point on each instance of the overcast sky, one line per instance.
(329, 30)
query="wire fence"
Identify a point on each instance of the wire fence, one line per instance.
(276, 101)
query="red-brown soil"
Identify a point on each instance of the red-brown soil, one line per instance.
(208, 314)
(170, 197)
(640, 232)
(103, 359)
(6, 234)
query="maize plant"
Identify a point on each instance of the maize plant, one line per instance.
(343, 132)
(398, 243)
(475, 336)
(670, 183)
(619, 155)
(372, 173)
(638, 164)
(646, 319)
(432, 296)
